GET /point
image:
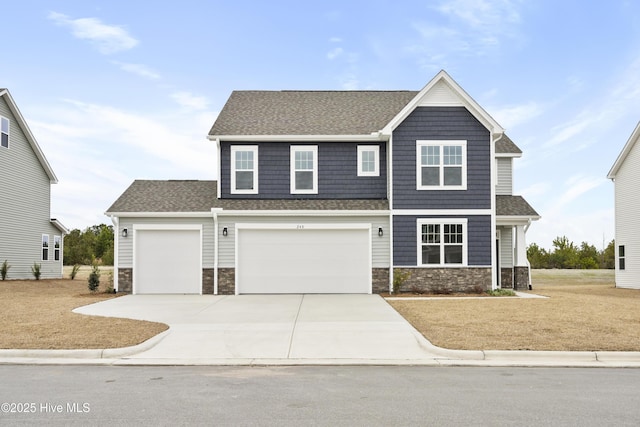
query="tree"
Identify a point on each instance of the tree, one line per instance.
(564, 255)
(83, 247)
(608, 258)
(537, 256)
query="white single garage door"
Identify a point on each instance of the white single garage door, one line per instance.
(316, 260)
(167, 262)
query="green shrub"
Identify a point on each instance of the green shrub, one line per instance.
(35, 269)
(74, 271)
(501, 293)
(94, 278)
(399, 277)
(4, 269)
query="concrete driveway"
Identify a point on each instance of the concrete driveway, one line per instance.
(209, 328)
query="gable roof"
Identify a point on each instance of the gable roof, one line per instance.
(635, 136)
(308, 112)
(506, 146)
(4, 93)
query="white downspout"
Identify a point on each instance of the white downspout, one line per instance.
(214, 213)
(494, 228)
(116, 255)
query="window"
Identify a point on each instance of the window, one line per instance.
(621, 257)
(442, 242)
(244, 169)
(56, 248)
(304, 169)
(45, 247)
(441, 165)
(368, 160)
(4, 132)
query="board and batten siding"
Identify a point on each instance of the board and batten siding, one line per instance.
(504, 185)
(379, 245)
(337, 172)
(627, 214)
(437, 124)
(25, 195)
(125, 244)
(405, 240)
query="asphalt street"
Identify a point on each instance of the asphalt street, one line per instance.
(315, 395)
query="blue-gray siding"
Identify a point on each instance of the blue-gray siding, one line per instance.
(25, 191)
(441, 123)
(337, 172)
(405, 239)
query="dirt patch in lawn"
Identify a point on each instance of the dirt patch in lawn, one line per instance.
(584, 311)
(36, 314)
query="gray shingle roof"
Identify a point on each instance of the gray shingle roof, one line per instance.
(200, 196)
(309, 112)
(166, 196)
(514, 206)
(506, 146)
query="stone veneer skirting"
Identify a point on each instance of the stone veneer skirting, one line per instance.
(226, 281)
(521, 278)
(446, 280)
(379, 280)
(125, 280)
(506, 278)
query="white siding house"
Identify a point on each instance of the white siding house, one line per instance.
(28, 234)
(625, 174)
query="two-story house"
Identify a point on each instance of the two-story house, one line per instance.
(28, 234)
(331, 192)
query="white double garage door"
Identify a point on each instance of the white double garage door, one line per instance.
(270, 259)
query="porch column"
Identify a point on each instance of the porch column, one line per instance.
(521, 264)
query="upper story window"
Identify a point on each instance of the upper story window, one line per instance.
(442, 242)
(304, 169)
(244, 169)
(368, 160)
(441, 165)
(45, 247)
(4, 132)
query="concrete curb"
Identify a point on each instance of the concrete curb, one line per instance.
(107, 353)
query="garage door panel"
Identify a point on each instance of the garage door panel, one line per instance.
(304, 261)
(167, 262)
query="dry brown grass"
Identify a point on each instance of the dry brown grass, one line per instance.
(36, 314)
(584, 311)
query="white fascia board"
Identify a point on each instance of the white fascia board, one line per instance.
(293, 226)
(59, 226)
(466, 100)
(441, 212)
(508, 155)
(374, 137)
(27, 132)
(625, 151)
(515, 220)
(159, 214)
(304, 213)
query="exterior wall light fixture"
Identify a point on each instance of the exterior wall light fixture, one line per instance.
(224, 232)
(380, 232)
(125, 232)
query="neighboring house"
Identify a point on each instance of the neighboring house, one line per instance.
(28, 234)
(625, 174)
(330, 192)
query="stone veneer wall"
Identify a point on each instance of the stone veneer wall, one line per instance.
(521, 278)
(125, 280)
(506, 278)
(207, 281)
(380, 280)
(226, 281)
(446, 280)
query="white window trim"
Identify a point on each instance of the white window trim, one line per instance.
(376, 156)
(234, 150)
(428, 143)
(58, 249)
(442, 222)
(42, 247)
(8, 131)
(292, 164)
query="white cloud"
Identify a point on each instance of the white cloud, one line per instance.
(108, 39)
(138, 69)
(516, 115)
(190, 101)
(334, 53)
(486, 16)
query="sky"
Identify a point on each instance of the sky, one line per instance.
(115, 91)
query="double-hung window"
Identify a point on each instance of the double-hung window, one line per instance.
(368, 160)
(442, 242)
(304, 169)
(441, 165)
(56, 248)
(4, 132)
(45, 247)
(621, 258)
(244, 169)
